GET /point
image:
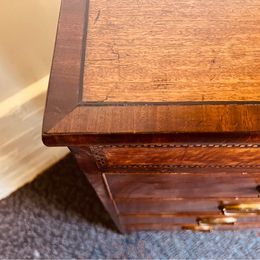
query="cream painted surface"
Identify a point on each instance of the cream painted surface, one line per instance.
(27, 34)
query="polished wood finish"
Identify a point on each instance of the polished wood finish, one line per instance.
(188, 223)
(66, 66)
(182, 185)
(170, 207)
(88, 165)
(177, 206)
(190, 227)
(116, 119)
(182, 220)
(142, 51)
(190, 155)
(67, 113)
(160, 106)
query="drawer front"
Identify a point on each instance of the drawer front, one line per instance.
(177, 155)
(173, 208)
(176, 227)
(195, 215)
(167, 207)
(195, 223)
(176, 220)
(169, 185)
(181, 224)
(215, 220)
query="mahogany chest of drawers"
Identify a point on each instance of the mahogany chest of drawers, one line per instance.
(160, 104)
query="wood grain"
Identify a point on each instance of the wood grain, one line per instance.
(173, 51)
(160, 226)
(66, 114)
(181, 220)
(136, 73)
(63, 92)
(160, 119)
(170, 185)
(175, 207)
(86, 139)
(183, 156)
(87, 164)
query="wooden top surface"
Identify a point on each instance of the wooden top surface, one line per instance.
(172, 50)
(139, 67)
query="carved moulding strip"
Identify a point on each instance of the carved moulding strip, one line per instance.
(101, 161)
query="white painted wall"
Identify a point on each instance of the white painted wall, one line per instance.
(27, 35)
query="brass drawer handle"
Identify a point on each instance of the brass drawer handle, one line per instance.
(242, 208)
(217, 221)
(200, 228)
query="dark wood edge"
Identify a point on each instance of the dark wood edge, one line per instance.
(67, 65)
(82, 139)
(110, 193)
(192, 214)
(168, 103)
(169, 199)
(180, 170)
(160, 174)
(169, 119)
(165, 226)
(217, 200)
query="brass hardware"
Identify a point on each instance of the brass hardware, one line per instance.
(217, 221)
(200, 228)
(240, 208)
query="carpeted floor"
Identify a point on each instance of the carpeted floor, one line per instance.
(59, 216)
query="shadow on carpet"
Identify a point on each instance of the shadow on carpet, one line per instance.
(59, 216)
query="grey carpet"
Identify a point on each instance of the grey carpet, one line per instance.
(59, 216)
